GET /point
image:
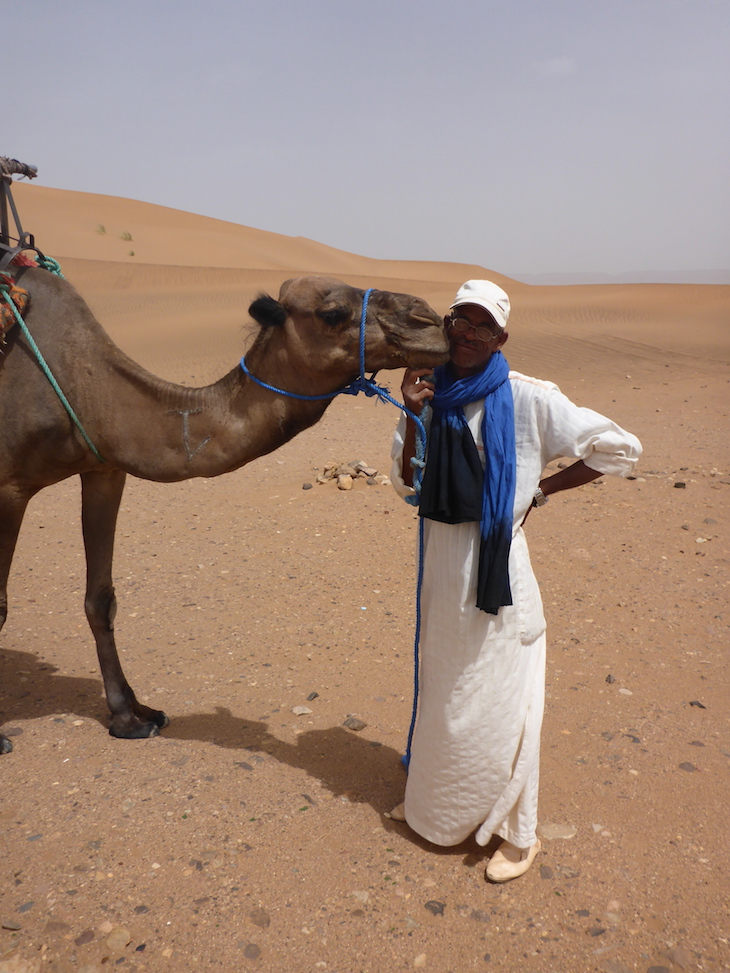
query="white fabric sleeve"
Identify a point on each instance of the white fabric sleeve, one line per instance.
(571, 430)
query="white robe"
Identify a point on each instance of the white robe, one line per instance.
(475, 753)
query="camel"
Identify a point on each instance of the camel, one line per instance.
(307, 343)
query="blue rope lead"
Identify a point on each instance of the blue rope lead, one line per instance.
(369, 388)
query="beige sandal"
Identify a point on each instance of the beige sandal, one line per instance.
(397, 814)
(510, 862)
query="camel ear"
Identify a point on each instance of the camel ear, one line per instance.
(267, 312)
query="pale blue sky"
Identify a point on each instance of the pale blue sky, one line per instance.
(527, 136)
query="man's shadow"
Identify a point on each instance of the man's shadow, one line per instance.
(347, 764)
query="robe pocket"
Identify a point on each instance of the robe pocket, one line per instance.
(526, 595)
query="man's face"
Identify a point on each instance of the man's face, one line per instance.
(469, 352)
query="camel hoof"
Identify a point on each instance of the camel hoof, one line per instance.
(5, 744)
(138, 731)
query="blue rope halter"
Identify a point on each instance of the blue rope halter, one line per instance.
(369, 388)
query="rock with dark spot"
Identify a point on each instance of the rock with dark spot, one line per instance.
(610, 678)
(435, 908)
(260, 917)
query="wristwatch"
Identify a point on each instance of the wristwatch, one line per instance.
(539, 500)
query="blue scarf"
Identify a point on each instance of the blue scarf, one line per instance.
(456, 489)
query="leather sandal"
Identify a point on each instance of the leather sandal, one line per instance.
(510, 862)
(397, 814)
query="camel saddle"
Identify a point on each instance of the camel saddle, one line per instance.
(11, 297)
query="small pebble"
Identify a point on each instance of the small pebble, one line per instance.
(300, 710)
(434, 907)
(118, 938)
(679, 485)
(690, 768)
(252, 951)
(420, 961)
(353, 723)
(546, 872)
(306, 486)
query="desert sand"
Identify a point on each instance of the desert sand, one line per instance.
(247, 836)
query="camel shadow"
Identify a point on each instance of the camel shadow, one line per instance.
(31, 689)
(349, 765)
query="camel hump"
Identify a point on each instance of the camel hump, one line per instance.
(11, 167)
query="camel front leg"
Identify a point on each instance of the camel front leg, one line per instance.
(12, 508)
(101, 494)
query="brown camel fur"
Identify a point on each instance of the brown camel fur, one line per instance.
(308, 343)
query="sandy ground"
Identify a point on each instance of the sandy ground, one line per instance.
(250, 837)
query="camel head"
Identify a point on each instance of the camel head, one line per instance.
(318, 321)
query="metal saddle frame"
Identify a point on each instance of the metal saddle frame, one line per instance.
(10, 246)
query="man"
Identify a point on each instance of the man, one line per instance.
(474, 763)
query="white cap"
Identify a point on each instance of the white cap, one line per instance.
(485, 294)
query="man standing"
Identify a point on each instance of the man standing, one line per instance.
(474, 764)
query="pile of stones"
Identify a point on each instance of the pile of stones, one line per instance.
(345, 475)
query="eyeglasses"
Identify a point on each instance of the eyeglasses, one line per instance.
(463, 324)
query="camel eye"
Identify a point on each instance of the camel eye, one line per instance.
(334, 315)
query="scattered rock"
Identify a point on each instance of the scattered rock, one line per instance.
(614, 966)
(26, 907)
(679, 485)
(553, 831)
(312, 696)
(11, 924)
(696, 702)
(546, 872)
(86, 937)
(307, 486)
(344, 482)
(252, 951)
(690, 768)
(434, 907)
(420, 961)
(353, 723)
(118, 938)
(300, 710)
(681, 957)
(260, 917)
(610, 679)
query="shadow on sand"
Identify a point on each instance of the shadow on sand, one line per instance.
(346, 763)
